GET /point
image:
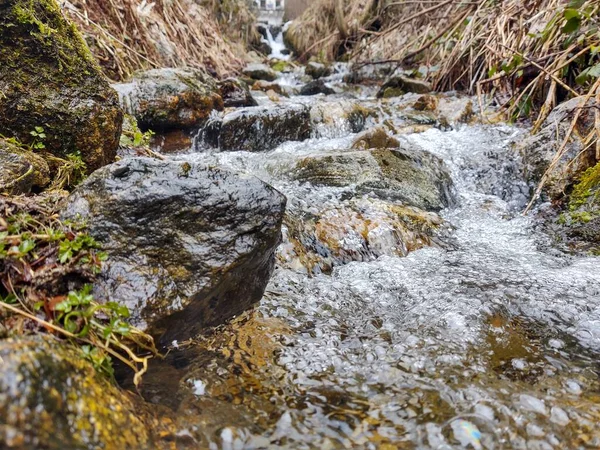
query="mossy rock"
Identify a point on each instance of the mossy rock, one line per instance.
(235, 93)
(165, 99)
(411, 176)
(21, 170)
(317, 70)
(51, 398)
(426, 103)
(538, 151)
(49, 79)
(582, 219)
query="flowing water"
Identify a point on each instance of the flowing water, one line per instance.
(488, 340)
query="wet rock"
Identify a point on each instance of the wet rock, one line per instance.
(49, 79)
(374, 138)
(261, 128)
(317, 70)
(164, 99)
(455, 110)
(51, 398)
(356, 230)
(266, 86)
(538, 150)
(260, 72)
(399, 85)
(189, 246)
(235, 93)
(581, 220)
(414, 177)
(337, 119)
(316, 87)
(21, 170)
(426, 103)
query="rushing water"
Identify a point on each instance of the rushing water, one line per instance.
(488, 341)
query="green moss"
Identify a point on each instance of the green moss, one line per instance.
(279, 66)
(587, 189)
(49, 78)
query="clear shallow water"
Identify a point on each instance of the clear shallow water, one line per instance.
(490, 342)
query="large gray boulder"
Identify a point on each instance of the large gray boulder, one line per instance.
(411, 176)
(189, 246)
(164, 99)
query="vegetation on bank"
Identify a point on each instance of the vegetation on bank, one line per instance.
(47, 267)
(126, 36)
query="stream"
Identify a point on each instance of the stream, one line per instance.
(487, 338)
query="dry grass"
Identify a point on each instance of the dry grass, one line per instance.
(128, 35)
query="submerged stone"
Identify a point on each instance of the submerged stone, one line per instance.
(163, 99)
(21, 170)
(414, 177)
(51, 398)
(49, 79)
(189, 246)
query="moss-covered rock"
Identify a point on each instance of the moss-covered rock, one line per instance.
(414, 177)
(164, 99)
(317, 70)
(21, 170)
(49, 79)
(51, 398)
(539, 150)
(582, 218)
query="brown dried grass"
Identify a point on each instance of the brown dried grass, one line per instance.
(128, 35)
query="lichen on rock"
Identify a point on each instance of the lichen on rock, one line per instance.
(51, 398)
(49, 78)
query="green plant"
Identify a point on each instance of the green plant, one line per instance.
(39, 136)
(47, 267)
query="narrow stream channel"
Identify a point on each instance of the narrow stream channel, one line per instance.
(487, 338)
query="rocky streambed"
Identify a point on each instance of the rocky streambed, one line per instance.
(412, 305)
(324, 263)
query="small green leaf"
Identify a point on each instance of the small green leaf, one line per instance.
(571, 26)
